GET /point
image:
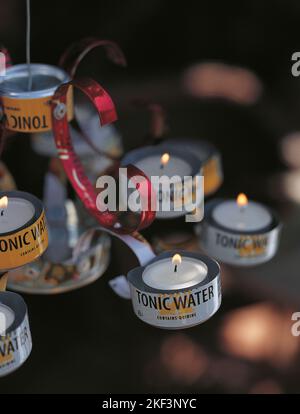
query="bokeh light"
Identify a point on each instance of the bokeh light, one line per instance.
(219, 80)
(290, 149)
(184, 360)
(260, 332)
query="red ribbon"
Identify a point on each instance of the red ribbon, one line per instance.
(70, 61)
(73, 167)
(71, 58)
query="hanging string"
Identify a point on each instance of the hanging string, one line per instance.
(28, 45)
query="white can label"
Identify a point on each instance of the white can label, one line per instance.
(177, 310)
(239, 249)
(15, 348)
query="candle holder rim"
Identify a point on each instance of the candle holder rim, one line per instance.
(37, 68)
(17, 304)
(68, 286)
(210, 205)
(211, 148)
(136, 155)
(37, 204)
(134, 276)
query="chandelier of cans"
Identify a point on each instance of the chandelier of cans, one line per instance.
(174, 289)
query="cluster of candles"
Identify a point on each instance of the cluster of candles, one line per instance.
(166, 275)
(175, 290)
(238, 232)
(23, 238)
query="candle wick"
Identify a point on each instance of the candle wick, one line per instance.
(161, 166)
(2, 213)
(175, 268)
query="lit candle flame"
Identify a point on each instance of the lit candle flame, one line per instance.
(242, 200)
(164, 159)
(176, 260)
(3, 203)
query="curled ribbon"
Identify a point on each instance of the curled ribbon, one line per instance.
(71, 58)
(71, 163)
(73, 167)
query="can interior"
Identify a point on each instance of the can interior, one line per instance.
(45, 79)
(39, 82)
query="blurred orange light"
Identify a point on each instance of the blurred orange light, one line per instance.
(219, 80)
(290, 185)
(183, 359)
(290, 149)
(267, 386)
(260, 332)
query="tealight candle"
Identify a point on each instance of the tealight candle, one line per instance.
(15, 337)
(19, 213)
(23, 231)
(242, 215)
(7, 317)
(180, 166)
(23, 238)
(208, 156)
(180, 273)
(176, 290)
(240, 232)
(163, 164)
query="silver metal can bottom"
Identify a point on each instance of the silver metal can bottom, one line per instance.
(178, 328)
(176, 309)
(239, 250)
(16, 344)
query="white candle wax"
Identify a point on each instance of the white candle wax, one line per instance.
(251, 217)
(161, 275)
(17, 213)
(151, 166)
(7, 317)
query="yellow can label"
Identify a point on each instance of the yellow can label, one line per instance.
(31, 115)
(24, 246)
(253, 245)
(212, 175)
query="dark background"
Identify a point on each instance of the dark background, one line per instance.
(90, 340)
